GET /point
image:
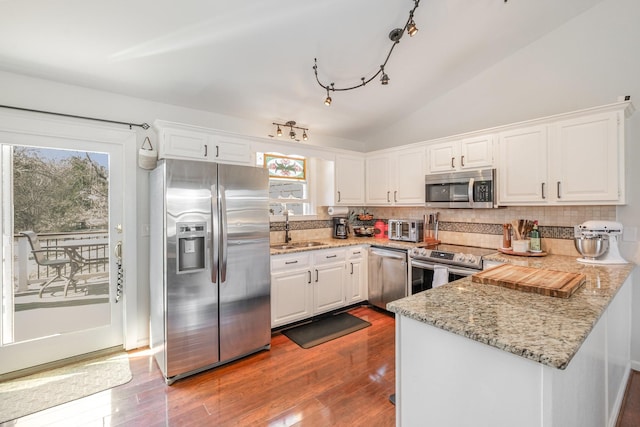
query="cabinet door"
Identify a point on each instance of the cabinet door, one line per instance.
(378, 191)
(356, 275)
(290, 297)
(477, 152)
(230, 149)
(349, 176)
(183, 144)
(584, 159)
(522, 171)
(409, 174)
(328, 287)
(442, 157)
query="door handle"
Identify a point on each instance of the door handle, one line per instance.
(309, 276)
(395, 196)
(339, 196)
(470, 190)
(316, 275)
(462, 161)
(352, 268)
(223, 234)
(206, 150)
(217, 151)
(120, 271)
(388, 199)
(558, 189)
(453, 165)
(543, 196)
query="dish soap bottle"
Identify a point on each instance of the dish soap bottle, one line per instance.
(534, 239)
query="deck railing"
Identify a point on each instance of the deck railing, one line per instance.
(27, 271)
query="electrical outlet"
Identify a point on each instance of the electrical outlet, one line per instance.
(145, 230)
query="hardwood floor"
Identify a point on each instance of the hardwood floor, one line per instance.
(630, 411)
(345, 382)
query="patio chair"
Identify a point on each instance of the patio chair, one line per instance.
(41, 258)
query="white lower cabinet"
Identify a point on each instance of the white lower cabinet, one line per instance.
(356, 282)
(306, 284)
(309, 283)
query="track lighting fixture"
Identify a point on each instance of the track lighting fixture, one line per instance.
(395, 35)
(292, 134)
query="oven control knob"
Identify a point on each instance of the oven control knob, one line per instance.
(458, 257)
(471, 258)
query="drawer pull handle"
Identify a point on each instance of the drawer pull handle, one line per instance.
(291, 262)
(331, 256)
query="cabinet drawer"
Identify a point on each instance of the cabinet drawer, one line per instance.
(329, 256)
(356, 253)
(290, 262)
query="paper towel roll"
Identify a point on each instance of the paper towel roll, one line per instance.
(338, 210)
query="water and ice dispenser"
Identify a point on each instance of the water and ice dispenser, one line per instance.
(191, 246)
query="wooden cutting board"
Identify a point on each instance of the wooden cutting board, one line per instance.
(537, 280)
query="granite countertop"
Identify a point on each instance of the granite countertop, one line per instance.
(544, 329)
(351, 241)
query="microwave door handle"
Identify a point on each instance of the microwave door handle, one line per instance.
(470, 192)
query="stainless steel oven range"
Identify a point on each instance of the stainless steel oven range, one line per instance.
(431, 267)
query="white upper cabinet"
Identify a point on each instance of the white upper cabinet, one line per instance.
(572, 159)
(396, 177)
(522, 170)
(180, 141)
(585, 159)
(349, 180)
(465, 154)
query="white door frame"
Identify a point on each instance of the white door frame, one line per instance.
(28, 124)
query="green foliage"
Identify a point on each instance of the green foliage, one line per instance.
(58, 195)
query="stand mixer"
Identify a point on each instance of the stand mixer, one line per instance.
(597, 242)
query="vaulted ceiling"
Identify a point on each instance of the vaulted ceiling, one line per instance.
(253, 59)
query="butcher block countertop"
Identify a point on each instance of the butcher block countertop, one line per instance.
(542, 328)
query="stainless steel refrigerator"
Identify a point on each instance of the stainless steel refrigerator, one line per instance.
(209, 265)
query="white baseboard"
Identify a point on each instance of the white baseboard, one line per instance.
(635, 365)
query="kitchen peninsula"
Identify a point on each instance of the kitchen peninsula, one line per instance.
(470, 354)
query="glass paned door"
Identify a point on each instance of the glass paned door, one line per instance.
(60, 208)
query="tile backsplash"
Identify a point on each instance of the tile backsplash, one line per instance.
(473, 227)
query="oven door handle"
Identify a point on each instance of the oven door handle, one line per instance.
(452, 269)
(472, 182)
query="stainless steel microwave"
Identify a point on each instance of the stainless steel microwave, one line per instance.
(466, 189)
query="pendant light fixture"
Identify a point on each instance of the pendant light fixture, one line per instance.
(395, 35)
(291, 124)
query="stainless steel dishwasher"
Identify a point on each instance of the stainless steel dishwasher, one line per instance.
(387, 275)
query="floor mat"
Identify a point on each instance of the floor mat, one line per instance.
(33, 393)
(325, 329)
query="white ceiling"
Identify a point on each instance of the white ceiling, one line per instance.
(253, 59)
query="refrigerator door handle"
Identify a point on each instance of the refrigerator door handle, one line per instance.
(215, 233)
(223, 234)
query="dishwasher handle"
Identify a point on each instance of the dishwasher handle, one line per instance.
(389, 254)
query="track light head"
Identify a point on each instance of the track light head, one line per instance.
(279, 131)
(304, 135)
(411, 28)
(385, 78)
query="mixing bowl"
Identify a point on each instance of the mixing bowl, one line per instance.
(591, 246)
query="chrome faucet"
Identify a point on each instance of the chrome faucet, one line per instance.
(287, 238)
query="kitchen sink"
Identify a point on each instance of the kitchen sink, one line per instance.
(294, 245)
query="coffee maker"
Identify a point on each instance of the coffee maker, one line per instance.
(340, 228)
